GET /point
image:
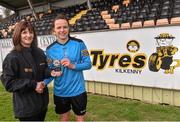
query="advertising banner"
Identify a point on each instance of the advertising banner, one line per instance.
(144, 57)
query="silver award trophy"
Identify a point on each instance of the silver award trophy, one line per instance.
(65, 56)
(65, 52)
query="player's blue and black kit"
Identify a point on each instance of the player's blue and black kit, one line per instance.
(71, 82)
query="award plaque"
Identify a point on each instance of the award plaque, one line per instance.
(56, 65)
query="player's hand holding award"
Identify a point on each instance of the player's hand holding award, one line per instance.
(66, 61)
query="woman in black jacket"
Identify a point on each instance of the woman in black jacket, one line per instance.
(23, 70)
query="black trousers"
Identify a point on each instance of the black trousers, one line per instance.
(38, 117)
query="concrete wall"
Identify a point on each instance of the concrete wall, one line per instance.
(145, 94)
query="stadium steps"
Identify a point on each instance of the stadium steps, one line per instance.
(72, 21)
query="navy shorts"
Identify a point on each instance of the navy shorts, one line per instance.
(77, 104)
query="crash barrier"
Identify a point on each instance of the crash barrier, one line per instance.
(138, 63)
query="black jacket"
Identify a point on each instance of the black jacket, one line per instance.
(21, 72)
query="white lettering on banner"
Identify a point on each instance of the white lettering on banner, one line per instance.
(6, 46)
(6, 43)
(44, 41)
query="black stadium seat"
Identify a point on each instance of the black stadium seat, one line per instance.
(146, 12)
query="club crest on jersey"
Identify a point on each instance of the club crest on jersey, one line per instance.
(85, 52)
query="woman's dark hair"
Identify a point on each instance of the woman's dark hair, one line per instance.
(17, 35)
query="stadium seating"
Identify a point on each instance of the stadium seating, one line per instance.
(104, 15)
